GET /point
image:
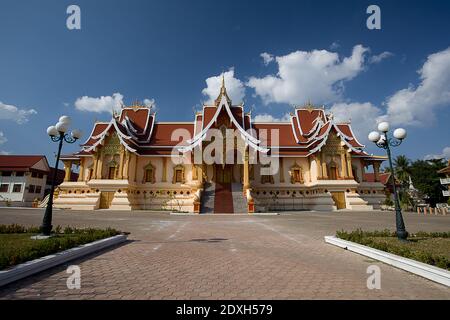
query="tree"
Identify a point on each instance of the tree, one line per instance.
(402, 169)
(426, 179)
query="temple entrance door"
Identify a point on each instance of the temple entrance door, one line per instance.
(224, 175)
(339, 199)
(106, 199)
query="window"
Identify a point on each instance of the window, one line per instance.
(149, 175)
(17, 187)
(4, 187)
(38, 189)
(296, 173)
(6, 173)
(40, 175)
(34, 174)
(20, 174)
(31, 188)
(178, 176)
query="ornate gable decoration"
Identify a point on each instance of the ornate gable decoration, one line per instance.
(113, 146)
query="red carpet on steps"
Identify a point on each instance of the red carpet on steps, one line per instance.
(223, 198)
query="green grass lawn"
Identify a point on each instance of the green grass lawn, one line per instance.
(431, 248)
(16, 245)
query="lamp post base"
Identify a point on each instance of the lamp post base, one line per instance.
(402, 235)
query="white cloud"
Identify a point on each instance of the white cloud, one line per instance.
(10, 112)
(418, 106)
(265, 117)
(235, 87)
(316, 75)
(362, 116)
(102, 104)
(445, 154)
(150, 103)
(378, 58)
(2, 138)
(335, 45)
(2, 141)
(4, 153)
(267, 58)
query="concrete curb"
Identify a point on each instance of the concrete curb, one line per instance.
(34, 266)
(421, 269)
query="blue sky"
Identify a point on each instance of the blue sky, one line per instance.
(166, 50)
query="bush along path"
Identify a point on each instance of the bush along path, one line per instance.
(16, 245)
(432, 248)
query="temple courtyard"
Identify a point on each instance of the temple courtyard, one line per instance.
(226, 257)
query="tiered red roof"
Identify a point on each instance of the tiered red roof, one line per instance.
(305, 133)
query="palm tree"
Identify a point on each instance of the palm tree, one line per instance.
(402, 169)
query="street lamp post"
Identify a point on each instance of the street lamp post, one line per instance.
(58, 134)
(385, 142)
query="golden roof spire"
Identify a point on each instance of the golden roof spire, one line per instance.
(223, 91)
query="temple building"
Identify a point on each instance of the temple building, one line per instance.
(222, 162)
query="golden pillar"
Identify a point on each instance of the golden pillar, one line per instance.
(343, 165)
(135, 164)
(349, 165)
(94, 171)
(126, 168)
(324, 168)
(246, 183)
(67, 169)
(121, 164)
(319, 167)
(81, 174)
(194, 172)
(100, 166)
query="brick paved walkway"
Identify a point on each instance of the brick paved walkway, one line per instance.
(226, 257)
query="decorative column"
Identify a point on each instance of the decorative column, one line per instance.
(319, 167)
(67, 169)
(135, 164)
(81, 174)
(343, 165)
(349, 165)
(376, 171)
(164, 172)
(126, 168)
(324, 168)
(281, 168)
(246, 183)
(94, 171)
(121, 161)
(100, 166)
(194, 172)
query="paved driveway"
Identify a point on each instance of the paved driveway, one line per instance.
(226, 257)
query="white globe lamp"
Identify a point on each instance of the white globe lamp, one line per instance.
(51, 131)
(374, 136)
(400, 133)
(383, 126)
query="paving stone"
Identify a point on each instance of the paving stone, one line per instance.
(226, 257)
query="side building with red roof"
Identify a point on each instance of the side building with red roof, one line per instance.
(222, 162)
(22, 179)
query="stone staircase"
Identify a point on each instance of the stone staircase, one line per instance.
(239, 201)
(208, 195)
